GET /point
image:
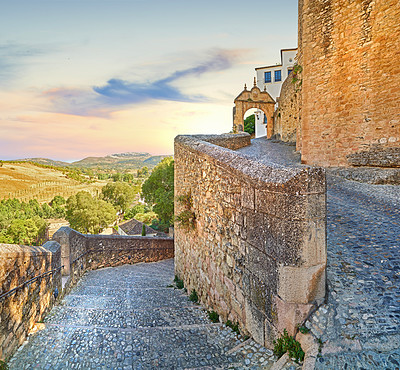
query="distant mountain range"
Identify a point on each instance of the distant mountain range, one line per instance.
(120, 161)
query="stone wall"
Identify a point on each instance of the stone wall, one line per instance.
(29, 277)
(286, 116)
(350, 92)
(228, 141)
(35, 273)
(257, 253)
(97, 251)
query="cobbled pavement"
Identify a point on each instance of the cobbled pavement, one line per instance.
(130, 317)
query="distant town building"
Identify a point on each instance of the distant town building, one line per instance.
(272, 77)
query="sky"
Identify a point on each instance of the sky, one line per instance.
(85, 78)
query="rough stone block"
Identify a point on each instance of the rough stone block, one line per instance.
(290, 314)
(302, 285)
(248, 197)
(255, 322)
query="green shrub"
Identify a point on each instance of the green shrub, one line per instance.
(178, 282)
(287, 343)
(213, 316)
(187, 218)
(303, 329)
(233, 326)
(193, 296)
(3, 365)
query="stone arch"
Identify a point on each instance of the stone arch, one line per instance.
(255, 98)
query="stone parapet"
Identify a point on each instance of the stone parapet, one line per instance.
(88, 252)
(257, 253)
(30, 278)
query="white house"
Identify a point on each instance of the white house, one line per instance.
(272, 77)
(260, 123)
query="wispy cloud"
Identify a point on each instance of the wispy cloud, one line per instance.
(102, 100)
(13, 57)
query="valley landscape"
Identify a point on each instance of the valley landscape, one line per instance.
(42, 178)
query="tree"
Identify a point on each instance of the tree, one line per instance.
(28, 232)
(89, 215)
(158, 190)
(146, 218)
(249, 124)
(143, 172)
(137, 208)
(119, 194)
(58, 200)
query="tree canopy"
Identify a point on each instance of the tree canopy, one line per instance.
(119, 194)
(249, 124)
(89, 215)
(158, 190)
(24, 223)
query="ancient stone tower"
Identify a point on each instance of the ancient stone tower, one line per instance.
(350, 100)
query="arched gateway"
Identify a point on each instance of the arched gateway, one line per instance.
(255, 98)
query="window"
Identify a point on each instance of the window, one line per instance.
(278, 76)
(289, 71)
(267, 77)
(265, 119)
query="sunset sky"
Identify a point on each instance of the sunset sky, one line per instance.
(94, 77)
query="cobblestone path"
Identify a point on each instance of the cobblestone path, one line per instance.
(128, 318)
(360, 324)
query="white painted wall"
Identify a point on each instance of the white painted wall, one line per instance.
(274, 87)
(260, 126)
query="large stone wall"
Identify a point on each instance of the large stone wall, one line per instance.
(350, 91)
(286, 116)
(29, 277)
(257, 253)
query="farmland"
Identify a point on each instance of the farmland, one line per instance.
(26, 181)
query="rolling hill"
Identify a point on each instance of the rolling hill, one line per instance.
(119, 162)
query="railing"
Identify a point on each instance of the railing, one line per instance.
(14, 290)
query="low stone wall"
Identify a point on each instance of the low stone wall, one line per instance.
(109, 250)
(229, 141)
(257, 252)
(29, 277)
(88, 252)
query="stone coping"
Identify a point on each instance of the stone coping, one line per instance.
(257, 172)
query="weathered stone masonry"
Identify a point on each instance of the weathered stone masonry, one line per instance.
(29, 276)
(349, 52)
(82, 252)
(257, 254)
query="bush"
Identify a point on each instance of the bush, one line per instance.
(287, 343)
(233, 326)
(187, 218)
(178, 282)
(213, 316)
(193, 296)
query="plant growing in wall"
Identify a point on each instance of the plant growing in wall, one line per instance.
(296, 76)
(186, 218)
